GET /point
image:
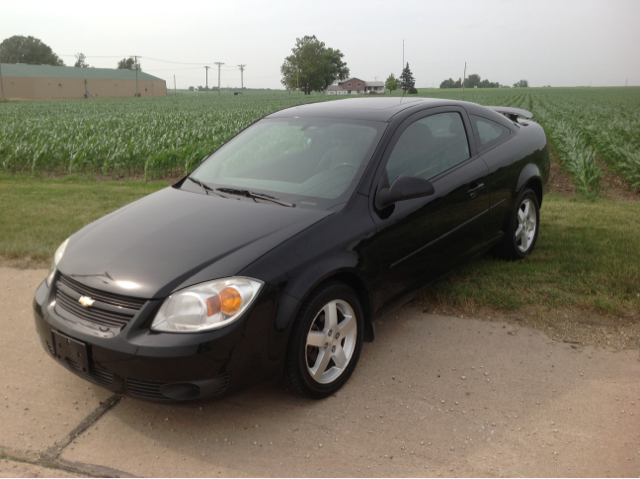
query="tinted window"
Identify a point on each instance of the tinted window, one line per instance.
(305, 161)
(489, 133)
(428, 147)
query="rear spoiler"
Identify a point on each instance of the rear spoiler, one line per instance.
(512, 113)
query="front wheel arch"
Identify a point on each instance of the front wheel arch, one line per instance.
(305, 355)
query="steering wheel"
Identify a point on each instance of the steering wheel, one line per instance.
(345, 165)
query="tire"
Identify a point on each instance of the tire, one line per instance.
(524, 224)
(323, 352)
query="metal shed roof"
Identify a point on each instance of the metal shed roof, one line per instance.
(50, 71)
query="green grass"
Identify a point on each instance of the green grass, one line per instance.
(38, 214)
(586, 255)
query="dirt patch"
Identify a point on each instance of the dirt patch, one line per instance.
(614, 187)
(23, 263)
(577, 327)
(559, 179)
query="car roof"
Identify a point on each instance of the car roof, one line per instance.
(371, 109)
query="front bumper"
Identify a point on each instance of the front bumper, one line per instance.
(137, 362)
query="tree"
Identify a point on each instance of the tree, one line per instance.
(21, 49)
(336, 69)
(448, 83)
(472, 81)
(406, 79)
(128, 64)
(391, 83)
(312, 67)
(521, 84)
(80, 61)
(191, 88)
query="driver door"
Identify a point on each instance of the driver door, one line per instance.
(421, 239)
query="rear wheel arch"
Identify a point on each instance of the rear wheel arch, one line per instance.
(535, 184)
(530, 177)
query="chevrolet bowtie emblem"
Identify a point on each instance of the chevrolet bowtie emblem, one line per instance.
(86, 301)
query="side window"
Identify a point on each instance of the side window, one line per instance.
(488, 133)
(428, 147)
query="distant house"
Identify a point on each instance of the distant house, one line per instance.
(355, 86)
(48, 82)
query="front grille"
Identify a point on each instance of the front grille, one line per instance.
(102, 296)
(109, 310)
(95, 374)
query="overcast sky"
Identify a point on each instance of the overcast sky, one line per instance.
(558, 43)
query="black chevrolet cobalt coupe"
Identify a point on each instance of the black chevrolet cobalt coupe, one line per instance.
(273, 257)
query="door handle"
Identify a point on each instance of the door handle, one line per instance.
(473, 192)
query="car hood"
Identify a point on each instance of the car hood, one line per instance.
(173, 238)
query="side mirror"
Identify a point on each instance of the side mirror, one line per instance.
(403, 188)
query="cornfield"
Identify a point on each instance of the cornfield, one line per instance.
(124, 136)
(588, 127)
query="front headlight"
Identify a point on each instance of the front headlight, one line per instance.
(54, 262)
(206, 306)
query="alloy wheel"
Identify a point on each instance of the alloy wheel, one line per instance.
(527, 224)
(331, 341)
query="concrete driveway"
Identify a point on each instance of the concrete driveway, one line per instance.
(431, 396)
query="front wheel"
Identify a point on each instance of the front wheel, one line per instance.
(325, 343)
(522, 232)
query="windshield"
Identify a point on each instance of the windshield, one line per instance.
(309, 162)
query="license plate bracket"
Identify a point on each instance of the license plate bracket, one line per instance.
(68, 349)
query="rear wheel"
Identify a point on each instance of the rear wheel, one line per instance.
(325, 343)
(522, 232)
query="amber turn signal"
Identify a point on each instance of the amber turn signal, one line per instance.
(227, 301)
(230, 300)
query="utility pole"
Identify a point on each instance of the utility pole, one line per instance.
(206, 69)
(463, 76)
(219, 65)
(242, 77)
(135, 64)
(401, 71)
(175, 92)
(1, 85)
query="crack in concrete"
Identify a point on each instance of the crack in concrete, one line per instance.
(54, 451)
(90, 470)
(79, 468)
(51, 457)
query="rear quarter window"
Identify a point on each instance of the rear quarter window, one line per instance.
(488, 133)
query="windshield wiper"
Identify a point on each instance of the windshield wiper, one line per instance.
(205, 187)
(254, 196)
